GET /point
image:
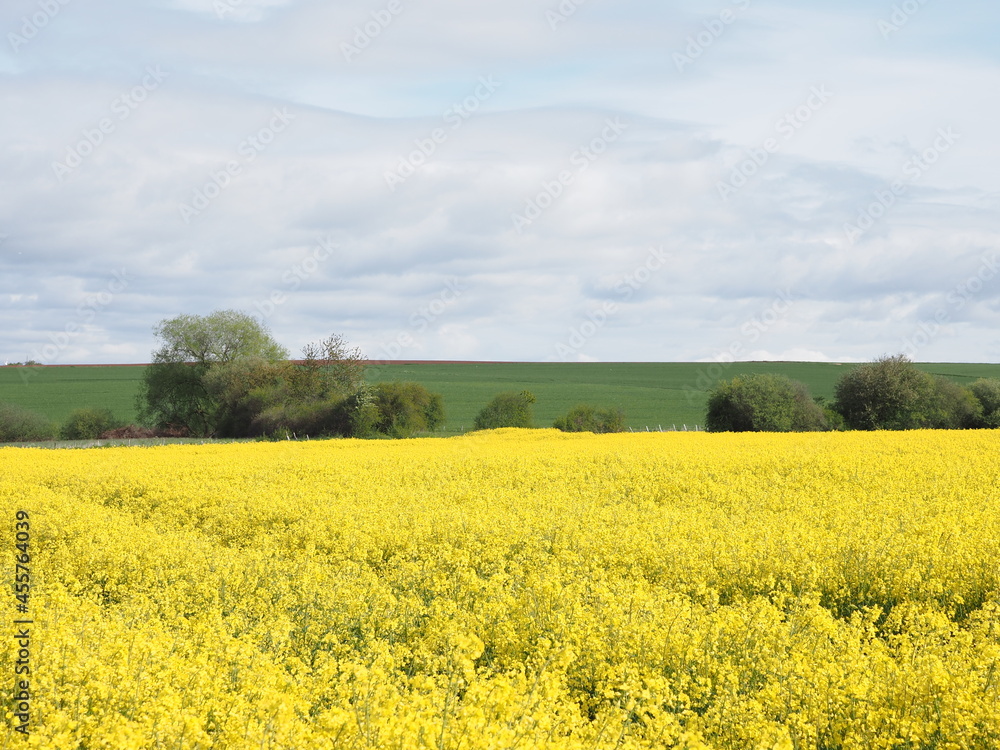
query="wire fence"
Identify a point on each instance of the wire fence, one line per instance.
(671, 428)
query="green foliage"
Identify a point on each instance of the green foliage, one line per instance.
(223, 375)
(762, 403)
(987, 393)
(830, 415)
(506, 410)
(241, 390)
(406, 408)
(56, 391)
(650, 392)
(360, 414)
(953, 407)
(329, 367)
(221, 336)
(887, 394)
(584, 418)
(174, 393)
(88, 424)
(297, 396)
(302, 419)
(172, 396)
(20, 425)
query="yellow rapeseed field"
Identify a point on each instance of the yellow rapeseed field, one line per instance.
(508, 589)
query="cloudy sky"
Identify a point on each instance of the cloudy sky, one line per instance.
(520, 180)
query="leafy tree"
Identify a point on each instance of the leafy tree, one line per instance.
(953, 407)
(762, 403)
(987, 393)
(329, 367)
(306, 397)
(221, 336)
(173, 393)
(584, 418)
(88, 424)
(887, 394)
(242, 389)
(172, 396)
(506, 410)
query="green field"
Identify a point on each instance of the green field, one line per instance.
(653, 395)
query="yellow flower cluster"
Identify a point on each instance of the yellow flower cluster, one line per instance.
(513, 589)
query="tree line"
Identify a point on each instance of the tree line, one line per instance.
(223, 375)
(890, 393)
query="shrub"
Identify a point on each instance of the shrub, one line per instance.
(506, 410)
(88, 424)
(584, 418)
(311, 419)
(215, 375)
(832, 417)
(405, 408)
(241, 390)
(362, 419)
(987, 393)
(953, 407)
(20, 425)
(887, 394)
(762, 403)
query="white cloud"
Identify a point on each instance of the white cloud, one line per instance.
(268, 195)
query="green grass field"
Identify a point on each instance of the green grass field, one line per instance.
(653, 395)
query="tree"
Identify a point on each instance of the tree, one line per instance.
(329, 367)
(506, 410)
(987, 393)
(762, 403)
(256, 396)
(172, 396)
(240, 390)
(173, 393)
(953, 407)
(887, 394)
(221, 336)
